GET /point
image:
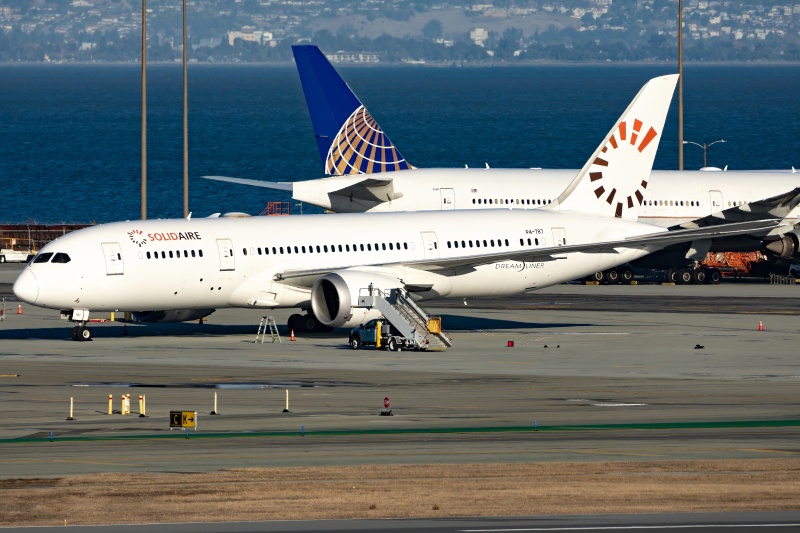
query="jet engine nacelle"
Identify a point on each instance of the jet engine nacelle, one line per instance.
(334, 295)
(178, 315)
(784, 248)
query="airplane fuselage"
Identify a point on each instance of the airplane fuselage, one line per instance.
(672, 197)
(260, 261)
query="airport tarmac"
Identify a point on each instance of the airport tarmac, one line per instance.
(600, 372)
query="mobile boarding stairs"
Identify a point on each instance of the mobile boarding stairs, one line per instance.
(419, 330)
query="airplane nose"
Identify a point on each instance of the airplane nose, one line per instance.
(26, 287)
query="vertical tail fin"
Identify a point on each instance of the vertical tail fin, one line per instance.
(613, 181)
(348, 138)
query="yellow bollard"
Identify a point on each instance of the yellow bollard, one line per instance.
(286, 409)
(141, 406)
(111, 404)
(122, 406)
(112, 316)
(70, 409)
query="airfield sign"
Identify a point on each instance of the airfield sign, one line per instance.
(183, 419)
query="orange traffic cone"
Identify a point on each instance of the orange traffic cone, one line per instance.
(291, 337)
(760, 326)
(19, 309)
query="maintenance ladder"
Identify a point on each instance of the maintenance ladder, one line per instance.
(267, 323)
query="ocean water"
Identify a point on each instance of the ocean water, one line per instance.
(70, 136)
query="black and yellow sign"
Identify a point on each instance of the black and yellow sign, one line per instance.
(182, 419)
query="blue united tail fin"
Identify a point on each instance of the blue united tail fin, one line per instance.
(348, 138)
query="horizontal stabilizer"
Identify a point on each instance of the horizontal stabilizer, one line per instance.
(279, 185)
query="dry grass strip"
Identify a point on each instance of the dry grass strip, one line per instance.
(401, 491)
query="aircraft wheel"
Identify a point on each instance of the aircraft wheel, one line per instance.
(84, 334)
(626, 275)
(391, 345)
(699, 275)
(75, 333)
(714, 276)
(309, 323)
(612, 276)
(319, 327)
(684, 276)
(294, 322)
(2, 259)
(599, 277)
(355, 342)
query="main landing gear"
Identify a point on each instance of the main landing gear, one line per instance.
(307, 323)
(697, 275)
(613, 276)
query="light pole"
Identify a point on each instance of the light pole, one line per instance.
(705, 147)
(144, 111)
(185, 123)
(681, 142)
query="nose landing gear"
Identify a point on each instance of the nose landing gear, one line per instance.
(81, 333)
(81, 316)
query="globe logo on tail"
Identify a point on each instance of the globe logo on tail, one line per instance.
(620, 143)
(361, 147)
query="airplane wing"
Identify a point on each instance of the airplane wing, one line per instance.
(777, 207)
(279, 185)
(654, 241)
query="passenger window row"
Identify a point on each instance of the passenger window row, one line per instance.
(176, 255)
(672, 203)
(324, 248)
(507, 201)
(491, 243)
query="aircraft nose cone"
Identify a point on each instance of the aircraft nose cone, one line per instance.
(26, 287)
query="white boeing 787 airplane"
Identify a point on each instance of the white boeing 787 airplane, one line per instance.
(189, 267)
(370, 174)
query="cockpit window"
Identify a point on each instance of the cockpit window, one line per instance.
(43, 258)
(61, 258)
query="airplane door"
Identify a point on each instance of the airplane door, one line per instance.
(430, 245)
(226, 259)
(559, 239)
(448, 199)
(716, 201)
(113, 254)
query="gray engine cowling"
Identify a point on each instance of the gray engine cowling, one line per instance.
(177, 315)
(784, 248)
(334, 295)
